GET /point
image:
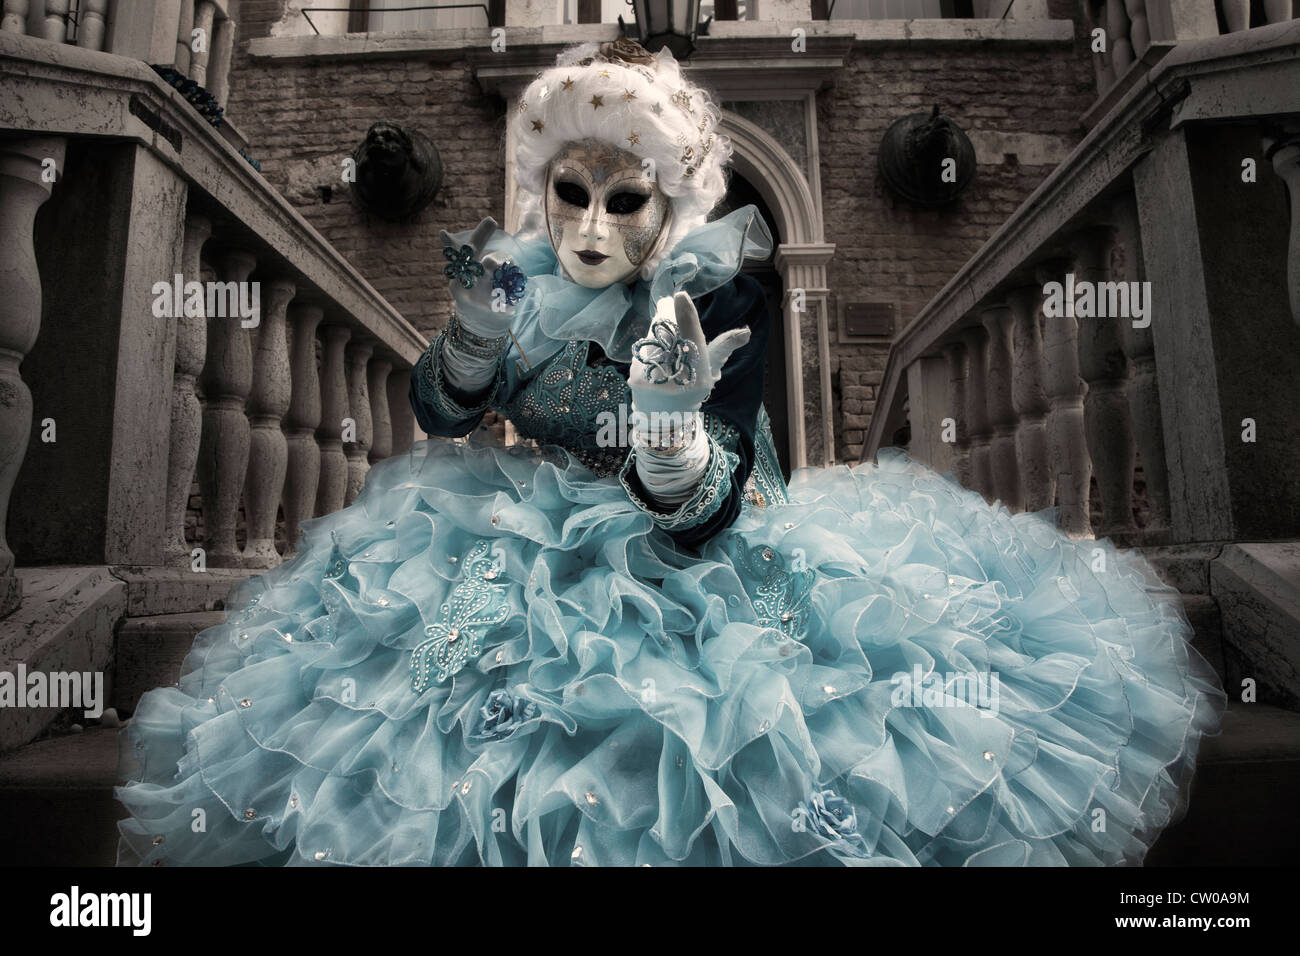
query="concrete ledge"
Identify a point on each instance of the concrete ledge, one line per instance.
(1258, 590)
(65, 623)
(721, 33)
(151, 590)
(911, 32)
(1184, 566)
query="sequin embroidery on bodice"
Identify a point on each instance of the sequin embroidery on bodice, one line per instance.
(571, 403)
(584, 408)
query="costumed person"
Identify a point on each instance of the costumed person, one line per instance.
(633, 644)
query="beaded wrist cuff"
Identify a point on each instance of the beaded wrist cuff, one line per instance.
(665, 434)
(468, 343)
(700, 507)
(433, 389)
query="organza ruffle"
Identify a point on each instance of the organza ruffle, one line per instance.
(816, 686)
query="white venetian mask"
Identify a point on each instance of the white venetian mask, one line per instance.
(605, 218)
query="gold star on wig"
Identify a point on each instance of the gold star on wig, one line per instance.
(538, 126)
(597, 101)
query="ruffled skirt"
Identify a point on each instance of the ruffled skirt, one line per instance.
(493, 657)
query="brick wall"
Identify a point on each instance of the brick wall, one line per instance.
(302, 119)
(887, 249)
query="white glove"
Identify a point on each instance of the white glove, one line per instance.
(673, 370)
(671, 477)
(481, 311)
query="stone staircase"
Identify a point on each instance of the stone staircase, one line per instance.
(59, 806)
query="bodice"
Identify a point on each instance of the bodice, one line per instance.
(575, 403)
(582, 402)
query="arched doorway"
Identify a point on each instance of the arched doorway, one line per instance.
(794, 213)
(740, 192)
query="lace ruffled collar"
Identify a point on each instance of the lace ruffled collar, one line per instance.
(556, 310)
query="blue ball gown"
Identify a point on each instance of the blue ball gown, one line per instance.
(510, 656)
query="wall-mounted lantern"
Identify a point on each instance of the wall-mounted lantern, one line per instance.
(667, 23)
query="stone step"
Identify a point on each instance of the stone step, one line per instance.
(58, 801)
(150, 651)
(158, 590)
(1244, 795)
(64, 625)
(1257, 586)
(60, 810)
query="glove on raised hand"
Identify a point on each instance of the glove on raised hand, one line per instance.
(674, 368)
(478, 311)
(673, 371)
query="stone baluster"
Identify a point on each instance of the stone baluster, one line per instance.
(981, 432)
(223, 450)
(268, 460)
(300, 424)
(381, 444)
(1144, 389)
(186, 412)
(184, 36)
(1285, 154)
(204, 16)
(1105, 368)
(1275, 11)
(1139, 31)
(92, 24)
(223, 48)
(955, 354)
(331, 492)
(14, 19)
(1236, 14)
(55, 25)
(1101, 62)
(358, 450)
(1037, 483)
(1000, 409)
(1067, 442)
(23, 189)
(1121, 47)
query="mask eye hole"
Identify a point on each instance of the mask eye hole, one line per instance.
(573, 194)
(625, 203)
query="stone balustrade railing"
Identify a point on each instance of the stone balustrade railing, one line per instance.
(194, 37)
(121, 402)
(1136, 33)
(83, 23)
(1191, 369)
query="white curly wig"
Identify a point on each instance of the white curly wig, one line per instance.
(647, 107)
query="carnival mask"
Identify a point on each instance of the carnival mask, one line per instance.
(604, 215)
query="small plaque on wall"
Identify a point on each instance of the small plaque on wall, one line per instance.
(869, 319)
